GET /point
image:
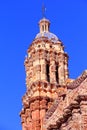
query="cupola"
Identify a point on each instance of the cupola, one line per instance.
(44, 25)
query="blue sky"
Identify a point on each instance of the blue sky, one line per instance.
(18, 27)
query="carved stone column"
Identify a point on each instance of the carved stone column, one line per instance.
(36, 67)
(66, 67)
(29, 74)
(38, 109)
(52, 68)
(61, 70)
(43, 108)
(43, 65)
(35, 115)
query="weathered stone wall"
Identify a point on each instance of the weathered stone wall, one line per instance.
(71, 111)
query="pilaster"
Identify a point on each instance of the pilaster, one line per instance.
(52, 68)
(61, 69)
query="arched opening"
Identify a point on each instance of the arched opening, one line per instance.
(43, 28)
(47, 72)
(57, 77)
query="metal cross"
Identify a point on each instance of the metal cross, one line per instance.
(43, 10)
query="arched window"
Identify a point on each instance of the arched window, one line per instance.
(42, 27)
(47, 72)
(45, 28)
(57, 73)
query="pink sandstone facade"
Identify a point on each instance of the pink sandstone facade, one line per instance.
(52, 101)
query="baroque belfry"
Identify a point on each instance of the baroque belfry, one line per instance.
(52, 100)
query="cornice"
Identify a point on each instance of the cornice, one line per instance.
(78, 81)
(44, 39)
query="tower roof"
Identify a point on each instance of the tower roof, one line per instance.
(44, 20)
(44, 25)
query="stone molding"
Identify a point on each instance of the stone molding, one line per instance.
(78, 81)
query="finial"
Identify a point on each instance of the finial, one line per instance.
(43, 10)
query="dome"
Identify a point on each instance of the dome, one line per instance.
(48, 35)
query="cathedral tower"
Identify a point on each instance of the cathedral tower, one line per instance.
(46, 73)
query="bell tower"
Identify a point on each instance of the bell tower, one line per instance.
(46, 67)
